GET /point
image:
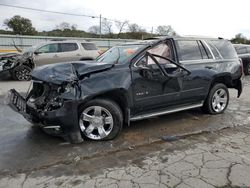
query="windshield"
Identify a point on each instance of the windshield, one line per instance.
(30, 49)
(119, 54)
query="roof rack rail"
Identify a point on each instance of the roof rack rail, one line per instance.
(58, 39)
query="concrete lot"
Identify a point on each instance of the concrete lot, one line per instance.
(214, 154)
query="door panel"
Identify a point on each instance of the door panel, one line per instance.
(152, 89)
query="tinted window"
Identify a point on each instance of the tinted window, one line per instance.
(225, 48)
(214, 51)
(89, 46)
(241, 49)
(188, 50)
(68, 47)
(49, 48)
(248, 49)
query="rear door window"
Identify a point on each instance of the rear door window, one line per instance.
(188, 50)
(68, 47)
(89, 46)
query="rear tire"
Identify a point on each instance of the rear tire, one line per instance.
(217, 99)
(100, 119)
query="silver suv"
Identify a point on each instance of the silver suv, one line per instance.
(63, 51)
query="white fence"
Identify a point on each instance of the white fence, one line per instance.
(24, 41)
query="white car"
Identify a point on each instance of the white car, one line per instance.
(63, 51)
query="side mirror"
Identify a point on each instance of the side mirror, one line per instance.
(36, 52)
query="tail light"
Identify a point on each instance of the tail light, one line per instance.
(241, 65)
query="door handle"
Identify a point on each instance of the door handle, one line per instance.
(209, 67)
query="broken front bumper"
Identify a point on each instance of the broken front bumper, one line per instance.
(64, 119)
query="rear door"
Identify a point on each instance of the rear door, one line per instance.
(69, 51)
(195, 56)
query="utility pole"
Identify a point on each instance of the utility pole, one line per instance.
(100, 26)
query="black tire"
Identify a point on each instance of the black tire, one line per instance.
(112, 108)
(21, 73)
(247, 69)
(208, 105)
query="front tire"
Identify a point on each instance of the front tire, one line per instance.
(247, 69)
(22, 73)
(217, 99)
(100, 119)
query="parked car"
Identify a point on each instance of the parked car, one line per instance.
(63, 51)
(16, 65)
(19, 65)
(130, 82)
(243, 52)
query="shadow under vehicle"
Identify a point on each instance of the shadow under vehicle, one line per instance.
(95, 99)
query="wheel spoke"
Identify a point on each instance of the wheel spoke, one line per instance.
(223, 100)
(89, 129)
(98, 111)
(87, 117)
(218, 106)
(222, 92)
(108, 120)
(102, 132)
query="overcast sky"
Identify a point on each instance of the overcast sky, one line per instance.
(215, 18)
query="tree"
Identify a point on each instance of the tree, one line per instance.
(95, 29)
(165, 30)
(107, 27)
(121, 26)
(135, 28)
(240, 39)
(63, 26)
(74, 27)
(20, 25)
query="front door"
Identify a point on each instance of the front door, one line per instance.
(152, 89)
(47, 54)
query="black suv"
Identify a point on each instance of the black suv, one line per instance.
(243, 52)
(95, 99)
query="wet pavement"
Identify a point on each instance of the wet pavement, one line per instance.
(215, 154)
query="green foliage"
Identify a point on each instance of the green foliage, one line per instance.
(20, 25)
(240, 39)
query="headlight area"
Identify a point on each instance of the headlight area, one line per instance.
(47, 97)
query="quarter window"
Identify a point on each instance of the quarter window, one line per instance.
(188, 50)
(89, 46)
(225, 48)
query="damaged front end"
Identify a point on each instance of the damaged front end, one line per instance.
(52, 107)
(53, 101)
(17, 66)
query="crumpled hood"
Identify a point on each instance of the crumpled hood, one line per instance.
(63, 72)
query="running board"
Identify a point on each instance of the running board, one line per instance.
(144, 116)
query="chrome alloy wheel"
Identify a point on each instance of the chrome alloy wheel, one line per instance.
(23, 74)
(96, 122)
(219, 100)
